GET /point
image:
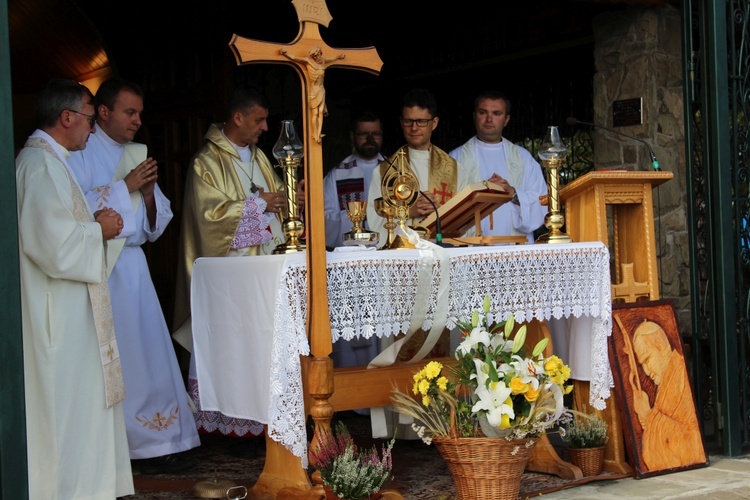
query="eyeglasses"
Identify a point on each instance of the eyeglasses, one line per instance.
(422, 122)
(90, 118)
(376, 135)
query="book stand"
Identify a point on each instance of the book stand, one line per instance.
(457, 218)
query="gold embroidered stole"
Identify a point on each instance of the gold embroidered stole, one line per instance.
(443, 181)
(101, 302)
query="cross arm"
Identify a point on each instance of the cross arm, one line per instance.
(247, 50)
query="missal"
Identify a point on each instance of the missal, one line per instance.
(467, 208)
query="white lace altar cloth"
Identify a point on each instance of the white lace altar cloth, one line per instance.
(372, 293)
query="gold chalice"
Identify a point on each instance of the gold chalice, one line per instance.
(388, 212)
(357, 211)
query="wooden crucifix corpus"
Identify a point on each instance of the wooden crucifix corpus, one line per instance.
(316, 65)
(306, 54)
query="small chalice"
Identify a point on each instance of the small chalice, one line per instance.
(388, 212)
(357, 211)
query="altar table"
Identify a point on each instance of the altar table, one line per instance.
(249, 316)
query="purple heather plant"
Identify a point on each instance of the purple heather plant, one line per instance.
(349, 473)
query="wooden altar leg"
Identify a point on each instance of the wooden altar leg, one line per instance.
(544, 458)
(317, 376)
(281, 471)
(614, 451)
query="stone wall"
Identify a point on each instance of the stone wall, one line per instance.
(638, 53)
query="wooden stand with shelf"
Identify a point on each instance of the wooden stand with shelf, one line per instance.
(633, 247)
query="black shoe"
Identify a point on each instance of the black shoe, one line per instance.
(167, 464)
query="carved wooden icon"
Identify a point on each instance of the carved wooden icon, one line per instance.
(651, 378)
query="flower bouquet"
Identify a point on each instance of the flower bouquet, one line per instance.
(347, 471)
(495, 401)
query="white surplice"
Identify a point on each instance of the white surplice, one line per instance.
(77, 448)
(158, 417)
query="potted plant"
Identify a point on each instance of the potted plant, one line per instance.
(347, 471)
(486, 412)
(586, 435)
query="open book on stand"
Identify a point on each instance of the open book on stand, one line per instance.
(467, 209)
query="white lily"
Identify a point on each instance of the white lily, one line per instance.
(481, 372)
(492, 399)
(478, 335)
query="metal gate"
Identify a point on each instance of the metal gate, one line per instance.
(717, 96)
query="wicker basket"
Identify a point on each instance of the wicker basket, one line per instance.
(486, 467)
(589, 460)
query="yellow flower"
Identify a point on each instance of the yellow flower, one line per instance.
(415, 389)
(568, 389)
(553, 366)
(426, 400)
(505, 418)
(532, 395)
(518, 386)
(418, 375)
(557, 371)
(424, 386)
(442, 383)
(504, 421)
(432, 369)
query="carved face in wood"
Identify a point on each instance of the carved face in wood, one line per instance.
(652, 349)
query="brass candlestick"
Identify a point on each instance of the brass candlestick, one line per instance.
(289, 151)
(552, 152)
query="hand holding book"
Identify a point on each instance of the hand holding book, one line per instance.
(496, 179)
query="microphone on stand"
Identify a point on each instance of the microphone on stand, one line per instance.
(654, 162)
(438, 230)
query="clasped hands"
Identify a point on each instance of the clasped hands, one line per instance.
(110, 221)
(423, 206)
(143, 177)
(496, 179)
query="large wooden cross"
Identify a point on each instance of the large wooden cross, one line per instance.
(310, 56)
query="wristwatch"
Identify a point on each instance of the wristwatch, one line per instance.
(515, 198)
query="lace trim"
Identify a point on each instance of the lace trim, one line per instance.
(253, 227)
(375, 296)
(214, 421)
